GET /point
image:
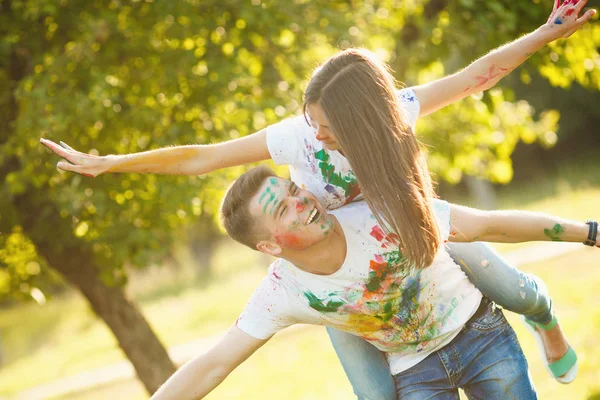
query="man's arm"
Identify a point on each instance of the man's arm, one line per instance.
(179, 160)
(470, 225)
(201, 375)
(485, 72)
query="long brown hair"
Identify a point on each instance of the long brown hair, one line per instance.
(358, 97)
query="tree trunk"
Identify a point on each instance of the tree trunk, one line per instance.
(73, 258)
(482, 191)
(203, 238)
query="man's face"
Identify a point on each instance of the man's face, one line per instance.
(293, 217)
(317, 119)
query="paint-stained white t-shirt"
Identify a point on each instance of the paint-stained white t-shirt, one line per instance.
(404, 311)
(325, 173)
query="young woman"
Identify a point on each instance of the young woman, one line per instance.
(358, 118)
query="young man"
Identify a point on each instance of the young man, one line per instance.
(340, 269)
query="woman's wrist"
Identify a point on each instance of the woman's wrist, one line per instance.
(111, 163)
(592, 238)
(546, 34)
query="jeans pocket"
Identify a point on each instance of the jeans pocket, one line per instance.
(490, 319)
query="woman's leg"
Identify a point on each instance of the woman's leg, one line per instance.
(501, 282)
(366, 366)
(511, 289)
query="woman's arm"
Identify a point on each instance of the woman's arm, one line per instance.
(471, 225)
(201, 375)
(485, 72)
(179, 160)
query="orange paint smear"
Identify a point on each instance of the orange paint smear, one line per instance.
(141, 163)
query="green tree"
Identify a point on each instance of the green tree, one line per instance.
(123, 76)
(119, 77)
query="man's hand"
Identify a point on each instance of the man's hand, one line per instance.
(76, 161)
(565, 19)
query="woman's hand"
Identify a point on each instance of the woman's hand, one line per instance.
(76, 161)
(565, 20)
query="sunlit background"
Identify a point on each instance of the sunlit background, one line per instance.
(86, 261)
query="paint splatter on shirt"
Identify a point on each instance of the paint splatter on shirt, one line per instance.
(326, 173)
(406, 312)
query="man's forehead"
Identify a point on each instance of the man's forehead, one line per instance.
(268, 196)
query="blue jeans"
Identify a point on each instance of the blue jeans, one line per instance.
(367, 368)
(485, 360)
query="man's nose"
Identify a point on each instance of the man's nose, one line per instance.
(301, 204)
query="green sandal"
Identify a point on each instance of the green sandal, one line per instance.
(563, 370)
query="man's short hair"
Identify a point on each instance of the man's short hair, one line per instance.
(235, 208)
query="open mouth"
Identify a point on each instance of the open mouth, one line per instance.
(313, 216)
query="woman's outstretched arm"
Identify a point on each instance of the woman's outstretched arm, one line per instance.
(470, 225)
(485, 72)
(178, 160)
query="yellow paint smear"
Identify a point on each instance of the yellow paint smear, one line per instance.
(166, 157)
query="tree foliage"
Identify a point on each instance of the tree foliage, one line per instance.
(117, 76)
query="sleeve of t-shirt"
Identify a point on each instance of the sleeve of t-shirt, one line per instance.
(268, 311)
(441, 209)
(409, 100)
(284, 139)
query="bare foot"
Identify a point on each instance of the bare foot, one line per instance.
(555, 343)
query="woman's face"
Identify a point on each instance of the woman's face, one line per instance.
(317, 119)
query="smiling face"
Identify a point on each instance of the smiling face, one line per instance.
(293, 217)
(318, 121)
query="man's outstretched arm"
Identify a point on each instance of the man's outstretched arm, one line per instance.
(202, 374)
(485, 72)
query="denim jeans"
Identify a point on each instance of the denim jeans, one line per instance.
(502, 283)
(485, 360)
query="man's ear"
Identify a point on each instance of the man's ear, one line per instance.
(269, 247)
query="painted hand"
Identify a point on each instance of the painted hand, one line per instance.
(76, 161)
(565, 19)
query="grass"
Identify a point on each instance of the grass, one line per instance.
(300, 363)
(62, 338)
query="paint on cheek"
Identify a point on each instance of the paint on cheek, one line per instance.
(290, 240)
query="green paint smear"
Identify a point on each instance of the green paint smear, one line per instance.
(318, 304)
(270, 199)
(395, 261)
(555, 233)
(348, 184)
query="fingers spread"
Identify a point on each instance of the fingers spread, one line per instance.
(586, 17)
(66, 146)
(65, 166)
(579, 6)
(56, 149)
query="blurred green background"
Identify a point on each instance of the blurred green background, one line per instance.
(93, 272)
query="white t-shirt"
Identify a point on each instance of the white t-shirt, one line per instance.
(325, 173)
(404, 311)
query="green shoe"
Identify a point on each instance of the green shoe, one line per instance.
(563, 370)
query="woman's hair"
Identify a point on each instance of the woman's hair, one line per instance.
(358, 96)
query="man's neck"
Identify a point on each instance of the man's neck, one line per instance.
(323, 258)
